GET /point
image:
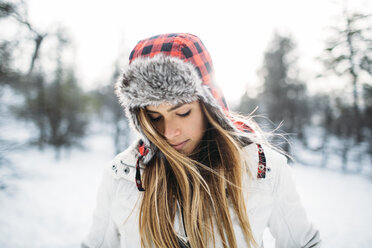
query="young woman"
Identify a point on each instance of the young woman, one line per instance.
(199, 176)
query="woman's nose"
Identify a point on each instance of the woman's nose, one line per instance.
(171, 130)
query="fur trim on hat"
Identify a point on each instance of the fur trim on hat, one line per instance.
(153, 81)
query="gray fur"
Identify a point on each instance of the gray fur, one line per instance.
(152, 81)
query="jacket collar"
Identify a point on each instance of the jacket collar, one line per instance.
(124, 164)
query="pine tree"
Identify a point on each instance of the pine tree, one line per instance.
(284, 95)
(348, 55)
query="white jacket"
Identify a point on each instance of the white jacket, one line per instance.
(271, 202)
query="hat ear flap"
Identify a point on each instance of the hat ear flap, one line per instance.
(135, 125)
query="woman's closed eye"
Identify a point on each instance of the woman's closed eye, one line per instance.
(155, 119)
(185, 114)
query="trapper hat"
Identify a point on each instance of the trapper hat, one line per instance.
(173, 68)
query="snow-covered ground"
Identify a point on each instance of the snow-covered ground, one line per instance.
(49, 204)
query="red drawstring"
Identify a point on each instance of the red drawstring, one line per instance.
(143, 152)
(261, 173)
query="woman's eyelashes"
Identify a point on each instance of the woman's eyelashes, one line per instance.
(158, 118)
(155, 119)
(185, 114)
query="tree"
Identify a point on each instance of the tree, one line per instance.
(6, 73)
(18, 12)
(367, 121)
(55, 104)
(343, 128)
(108, 109)
(284, 95)
(56, 107)
(247, 104)
(7, 76)
(322, 121)
(6, 9)
(348, 55)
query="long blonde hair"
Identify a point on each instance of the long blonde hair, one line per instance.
(203, 184)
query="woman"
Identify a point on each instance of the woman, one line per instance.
(199, 176)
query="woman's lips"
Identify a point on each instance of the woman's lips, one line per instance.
(179, 146)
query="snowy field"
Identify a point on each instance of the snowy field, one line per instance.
(49, 204)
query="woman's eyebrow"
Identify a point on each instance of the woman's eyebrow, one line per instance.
(175, 107)
(168, 110)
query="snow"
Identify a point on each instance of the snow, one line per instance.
(49, 204)
(339, 204)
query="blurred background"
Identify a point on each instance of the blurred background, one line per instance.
(303, 68)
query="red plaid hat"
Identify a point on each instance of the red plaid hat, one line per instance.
(187, 47)
(174, 68)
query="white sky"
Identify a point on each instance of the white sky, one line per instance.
(236, 33)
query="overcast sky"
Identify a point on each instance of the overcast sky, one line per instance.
(236, 33)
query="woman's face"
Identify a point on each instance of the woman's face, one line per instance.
(182, 125)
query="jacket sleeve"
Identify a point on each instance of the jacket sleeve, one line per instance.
(103, 232)
(288, 222)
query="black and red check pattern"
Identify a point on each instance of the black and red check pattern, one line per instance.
(187, 47)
